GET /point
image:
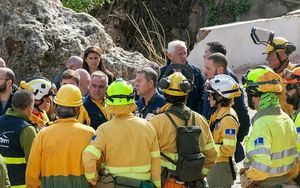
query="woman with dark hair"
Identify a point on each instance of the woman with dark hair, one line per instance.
(92, 62)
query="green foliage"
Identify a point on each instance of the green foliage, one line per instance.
(83, 5)
(220, 12)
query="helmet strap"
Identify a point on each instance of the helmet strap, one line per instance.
(37, 105)
(283, 63)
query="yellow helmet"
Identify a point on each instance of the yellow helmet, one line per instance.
(292, 76)
(176, 84)
(119, 93)
(263, 79)
(68, 95)
(280, 44)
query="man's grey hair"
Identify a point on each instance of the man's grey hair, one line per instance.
(22, 99)
(66, 112)
(175, 43)
(150, 74)
(100, 74)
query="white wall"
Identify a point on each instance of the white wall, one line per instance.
(242, 53)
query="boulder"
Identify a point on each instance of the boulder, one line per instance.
(38, 36)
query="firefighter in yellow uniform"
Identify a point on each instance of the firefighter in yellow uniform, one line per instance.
(278, 57)
(42, 90)
(292, 81)
(175, 113)
(126, 144)
(224, 125)
(271, 154)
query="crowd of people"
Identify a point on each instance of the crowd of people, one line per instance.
(174, 126)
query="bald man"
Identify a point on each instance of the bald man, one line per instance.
(84, 81)
(73, 63)
(2, 63)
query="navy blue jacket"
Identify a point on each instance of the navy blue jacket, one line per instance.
(3, 109)
(146, 112)
(195, 96)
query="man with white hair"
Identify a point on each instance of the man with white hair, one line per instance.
(84, 81)
(177, 54)
(73, 63)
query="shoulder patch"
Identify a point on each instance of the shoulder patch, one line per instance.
(230, 131)
(93, 137)
(259, 141)
(298, 130)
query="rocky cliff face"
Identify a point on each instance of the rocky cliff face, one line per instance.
(38, 36)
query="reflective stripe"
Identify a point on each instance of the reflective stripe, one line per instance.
(209, 146)
(257, 151)
(218, 149)
(229, 142)
(15, 160)
(118, 170)
(155, 154)
(140, 176)
(164, 162)
(270, 170)
(157, 183)
(167, 164)
(90, 176)
(18, 186)
(285, 153)
(274, 156)
(298, 137)
(205, 171)
(93, 150)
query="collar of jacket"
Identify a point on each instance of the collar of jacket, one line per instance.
(219, 113)
(65, 120)
(266, 112)
(268, 100)
(17, 113)
(121, 109)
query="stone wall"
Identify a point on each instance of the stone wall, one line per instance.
(242, 52)
(38, 36)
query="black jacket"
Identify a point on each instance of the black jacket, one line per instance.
(195, 96)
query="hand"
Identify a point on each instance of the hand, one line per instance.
(243, 170)
(246, 182)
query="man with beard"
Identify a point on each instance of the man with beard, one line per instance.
(271, 153)
(292, 79)
(7, 78)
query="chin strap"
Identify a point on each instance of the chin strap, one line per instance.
(283, 64)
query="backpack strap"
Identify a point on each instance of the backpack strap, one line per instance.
(171, 119)
(168, 158)
(219, 120)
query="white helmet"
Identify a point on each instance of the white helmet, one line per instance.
(39, 86)
(224, 85)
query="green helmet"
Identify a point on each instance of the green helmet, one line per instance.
(119, 93)
(263, 79)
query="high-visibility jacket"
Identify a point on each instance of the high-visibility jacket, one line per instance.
(92, 113)
(40, 120)
(224, 132)
(296, 119)
(55, 156)
(166, 134)
(129, 147)
(287, 108)
(4, 180)
(11, 149)
(271, 146)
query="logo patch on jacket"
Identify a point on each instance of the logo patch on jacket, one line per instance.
(230, 131)
(259, 141)
(298, 130)
(93, 137)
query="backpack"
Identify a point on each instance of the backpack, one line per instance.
(190, 158)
